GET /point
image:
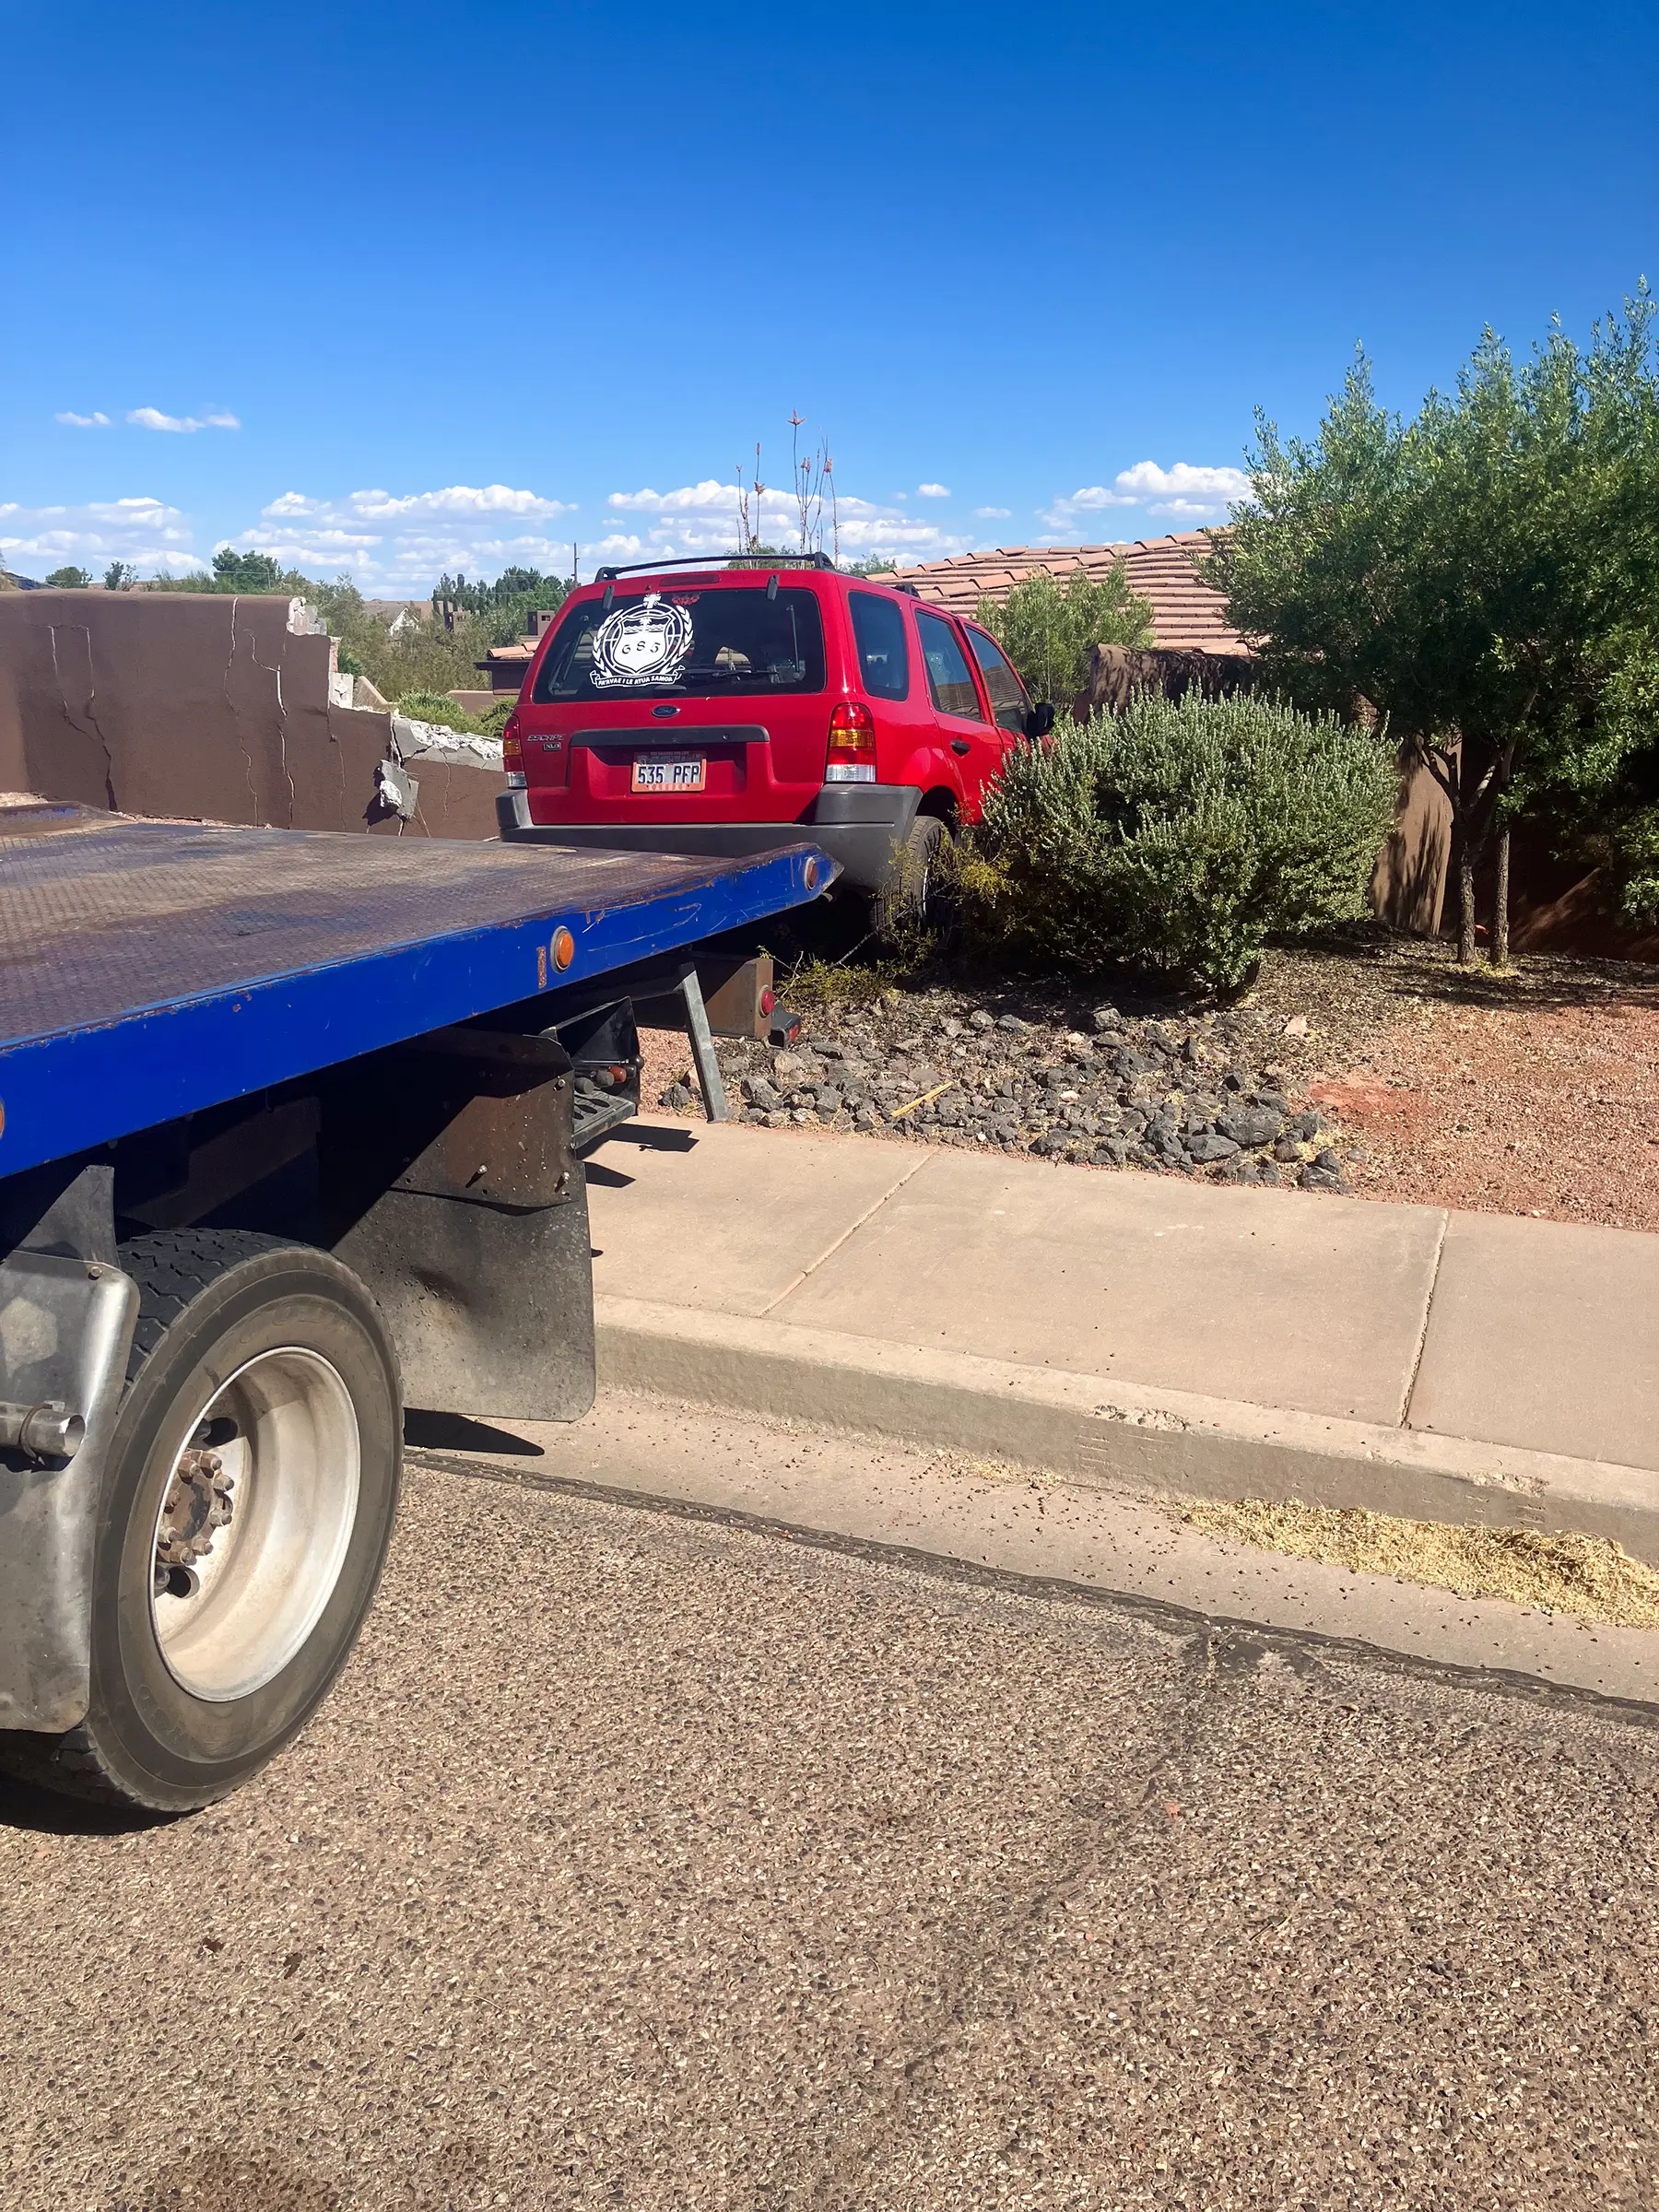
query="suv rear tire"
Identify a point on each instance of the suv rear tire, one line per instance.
(914, 897)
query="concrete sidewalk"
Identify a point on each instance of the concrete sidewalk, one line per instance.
(1176, 1336)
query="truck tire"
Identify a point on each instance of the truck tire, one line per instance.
(249, 1494)
(912, 896)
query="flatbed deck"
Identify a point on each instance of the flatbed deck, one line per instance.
(148, 970)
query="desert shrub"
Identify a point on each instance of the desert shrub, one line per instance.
(1048, 630)
(432, 706)
(1178, 835)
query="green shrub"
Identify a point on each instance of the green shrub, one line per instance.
(1048, 632)
(432, 706)
(1178, 835)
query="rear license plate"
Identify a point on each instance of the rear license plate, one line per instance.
(661, 771)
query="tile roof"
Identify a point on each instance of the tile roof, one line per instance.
(1187, 615)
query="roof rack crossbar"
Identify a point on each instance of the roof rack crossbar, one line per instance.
(729, 560)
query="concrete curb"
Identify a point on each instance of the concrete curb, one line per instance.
(1163, 1444)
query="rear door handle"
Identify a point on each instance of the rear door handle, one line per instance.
(961, 745)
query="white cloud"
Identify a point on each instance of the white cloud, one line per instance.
(457, 503)
(708, 497)
(992, 514)
(403, 542)
(1183, 490)
(933, 491)
(1184, 493)
(152, 419)
(702, 518)
(97, 420)
(144, 531)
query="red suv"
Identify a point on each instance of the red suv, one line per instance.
(688, 712)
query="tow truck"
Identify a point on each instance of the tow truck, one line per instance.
(292, 1127)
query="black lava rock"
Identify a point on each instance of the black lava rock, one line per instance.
(1250, 1124)
(1205, 1148)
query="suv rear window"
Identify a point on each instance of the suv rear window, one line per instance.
(725, 643)
(882, 654)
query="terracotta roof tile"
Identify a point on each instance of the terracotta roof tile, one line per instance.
(1187, 615)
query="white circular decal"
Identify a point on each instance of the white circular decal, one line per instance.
(643, 642)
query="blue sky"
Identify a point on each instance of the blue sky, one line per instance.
(399, 289)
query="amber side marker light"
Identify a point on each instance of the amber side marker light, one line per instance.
(563, 949)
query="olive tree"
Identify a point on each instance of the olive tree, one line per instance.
(1483, 576)
(1048, 630)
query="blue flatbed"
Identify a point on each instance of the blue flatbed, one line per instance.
(149, 969)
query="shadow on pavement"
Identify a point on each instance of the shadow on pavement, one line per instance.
(429, 1432)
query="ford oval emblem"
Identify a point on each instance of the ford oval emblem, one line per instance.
(667, 710)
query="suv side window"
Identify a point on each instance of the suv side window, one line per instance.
(1009, 701)
(883, 651)
(950, 678)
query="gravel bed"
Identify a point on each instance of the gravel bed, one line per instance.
(1534, 1091)
(1189, 1093)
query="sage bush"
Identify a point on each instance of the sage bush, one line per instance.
(1178, 835)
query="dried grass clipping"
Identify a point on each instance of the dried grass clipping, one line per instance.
(1588, 1576)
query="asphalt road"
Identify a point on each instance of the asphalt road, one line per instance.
(644, 1861)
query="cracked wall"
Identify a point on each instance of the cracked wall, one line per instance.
(203, 706)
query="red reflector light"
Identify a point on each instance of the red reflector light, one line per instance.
(852, 758)
(768, 999)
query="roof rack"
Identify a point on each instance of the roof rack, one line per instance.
(728, 561)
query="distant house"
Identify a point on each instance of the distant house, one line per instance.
(505, 664)
(1187, 616)
(399, 615)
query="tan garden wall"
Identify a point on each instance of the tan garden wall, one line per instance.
(205, 706)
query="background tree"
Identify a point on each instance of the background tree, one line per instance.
(1484, 577)
(505, 609)
(1049, 631)
(120, 576)
(242, 572)
(70, 580)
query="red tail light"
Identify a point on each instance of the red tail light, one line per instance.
(852, 744)
(512, 754)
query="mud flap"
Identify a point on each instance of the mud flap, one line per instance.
(448, 1169)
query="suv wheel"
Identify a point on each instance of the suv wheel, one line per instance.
(914, 895)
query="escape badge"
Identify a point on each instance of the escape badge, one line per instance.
(644, 642)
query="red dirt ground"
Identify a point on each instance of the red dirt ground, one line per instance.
(1548, 1110)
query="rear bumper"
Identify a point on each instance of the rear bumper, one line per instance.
(859, 825)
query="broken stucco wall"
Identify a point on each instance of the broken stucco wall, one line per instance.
(208, 706)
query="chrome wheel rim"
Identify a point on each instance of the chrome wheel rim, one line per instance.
(254, 1522)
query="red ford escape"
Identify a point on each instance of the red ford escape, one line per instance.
(717, 713)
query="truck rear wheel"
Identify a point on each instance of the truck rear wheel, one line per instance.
(248, 1501)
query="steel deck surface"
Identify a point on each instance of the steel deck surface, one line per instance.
(149, 968)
